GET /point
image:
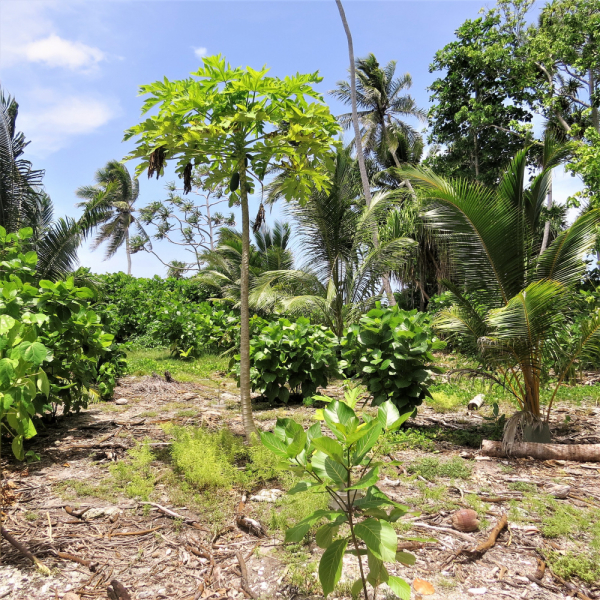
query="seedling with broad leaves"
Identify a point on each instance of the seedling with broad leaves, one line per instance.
(359, 522)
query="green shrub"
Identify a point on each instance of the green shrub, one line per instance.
(290, 357)
(207, 459)
(139, 309)
(390, 350)
(43, 322)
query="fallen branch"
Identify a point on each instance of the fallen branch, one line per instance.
(170, 513)
(483, 547)
(82, 561)
(24, 551)
(244, 570)
(462, 536)
(79, 515)
(575, 452)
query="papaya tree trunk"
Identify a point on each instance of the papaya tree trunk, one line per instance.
(245, 398)
(358, 141)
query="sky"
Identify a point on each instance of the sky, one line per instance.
(75, 67)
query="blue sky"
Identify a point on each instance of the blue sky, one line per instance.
(75, 68)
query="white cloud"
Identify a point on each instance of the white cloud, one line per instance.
(55, 51)
(200, 52)
(52, 125)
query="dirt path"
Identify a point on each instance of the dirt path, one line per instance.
(158, 556)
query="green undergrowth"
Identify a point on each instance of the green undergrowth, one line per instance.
(145, 362)
(564, 522)
(431, 468)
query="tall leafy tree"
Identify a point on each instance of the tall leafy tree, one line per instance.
(383, 108)
(510, 299)
(110, 203)
(238, 121)
(482, 100)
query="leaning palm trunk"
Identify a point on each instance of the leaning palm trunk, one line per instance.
(358, 143)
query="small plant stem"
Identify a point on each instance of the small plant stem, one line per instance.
(354, 540)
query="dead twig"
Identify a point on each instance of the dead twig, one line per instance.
(24, 551)
(140, 532)
(79, 515)
(92, 566)
(244, 570)
(462, 536)
(483, 547)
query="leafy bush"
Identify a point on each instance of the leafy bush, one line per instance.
(194, 330)
(344, 469)
(299, 355)
(43, 322)
(390, 349)
(134, 308)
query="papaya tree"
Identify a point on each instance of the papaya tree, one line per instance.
(238, 122)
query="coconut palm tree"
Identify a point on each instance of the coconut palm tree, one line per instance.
(23, 202)
(110, 204)
(383, 106)
(270, 251)
(512, 301)
(343, 268)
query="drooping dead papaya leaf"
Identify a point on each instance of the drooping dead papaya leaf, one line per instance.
(423, 587)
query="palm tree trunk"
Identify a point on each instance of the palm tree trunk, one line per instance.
(547, 223)
(128, 251)
(358, 141)
(245, 398)
(595, 118)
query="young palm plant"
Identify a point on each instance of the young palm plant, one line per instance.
(110, 203)
(343, 268)
(512, 301)
(223, 264)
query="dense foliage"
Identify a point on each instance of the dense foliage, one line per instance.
(49, 323)
(290, 357)
(139, 310)
(390, 350)
(344, 468)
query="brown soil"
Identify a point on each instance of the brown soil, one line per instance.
(156, 556)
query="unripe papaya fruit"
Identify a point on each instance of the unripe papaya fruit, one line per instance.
(235, 182)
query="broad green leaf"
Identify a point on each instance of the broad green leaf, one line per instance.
(406, 558)
(330, 567)
(273, 443)
(6, 401)
(375, 497)
(35, 353)
(7, 372)
(329, 447)
(296, 533)
(297, 444)
(336, 471)
(42, 383)
(403, 418)
(303, 486)
(325, 534)
(339, 412)
(400, 587)
(17, 447)
(387, 414)
(29, 429)
(314, 431)
(6, 324)
(365, 443)
(368, 479)
(379, 537)
(357, 589)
